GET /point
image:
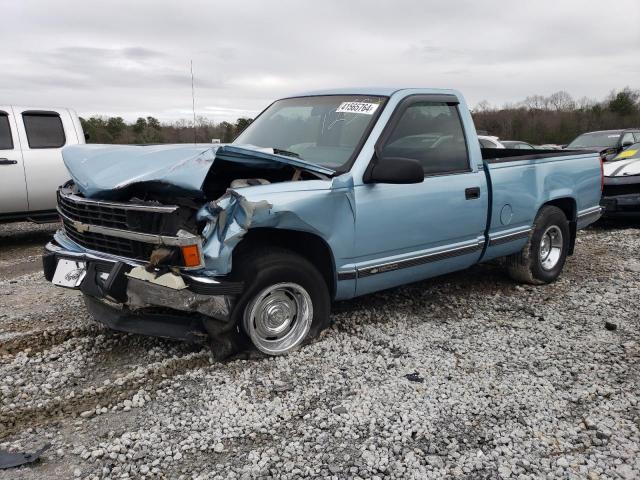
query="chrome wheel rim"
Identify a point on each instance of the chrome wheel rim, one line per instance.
(278, 319)
(551, 247)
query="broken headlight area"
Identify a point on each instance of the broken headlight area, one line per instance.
(142, 230)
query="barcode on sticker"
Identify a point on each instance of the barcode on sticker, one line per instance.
(357, 107)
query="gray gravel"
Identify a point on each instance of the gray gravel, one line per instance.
(511, 382)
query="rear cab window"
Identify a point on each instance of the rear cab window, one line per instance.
(44, 129)
(6, 140)
(430, 132)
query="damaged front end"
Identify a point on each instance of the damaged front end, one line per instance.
(150, 244)
(141, 282)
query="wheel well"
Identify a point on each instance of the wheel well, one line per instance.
(307, 245)
(568, 206)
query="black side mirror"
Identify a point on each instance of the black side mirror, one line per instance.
(394, 170)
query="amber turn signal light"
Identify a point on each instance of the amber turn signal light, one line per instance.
(191, 255)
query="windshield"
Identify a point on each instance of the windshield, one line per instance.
(596, 139)
(325, 130)
(631, 153)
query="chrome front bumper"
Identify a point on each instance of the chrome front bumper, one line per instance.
(142, 306)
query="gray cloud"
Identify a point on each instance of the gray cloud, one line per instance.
(132, 58)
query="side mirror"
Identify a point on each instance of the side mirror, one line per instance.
(394, 170)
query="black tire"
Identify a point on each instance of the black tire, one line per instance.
(260, 269)
(526, 266)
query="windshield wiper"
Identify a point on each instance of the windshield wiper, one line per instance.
(286, 153)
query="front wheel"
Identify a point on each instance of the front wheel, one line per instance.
(543, 257)
(286, 300)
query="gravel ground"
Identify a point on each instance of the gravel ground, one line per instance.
(509, 382)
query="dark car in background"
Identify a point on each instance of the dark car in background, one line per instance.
(608, 142)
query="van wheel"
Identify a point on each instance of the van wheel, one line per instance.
(543, 257)
(285, 302)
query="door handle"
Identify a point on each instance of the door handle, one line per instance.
(6, 161)
(472, 193)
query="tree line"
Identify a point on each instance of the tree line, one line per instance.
(147, 130)
(558, 118)
(538, 119)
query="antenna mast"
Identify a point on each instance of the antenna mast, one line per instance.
(193, 104)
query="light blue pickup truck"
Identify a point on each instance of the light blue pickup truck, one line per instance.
(325, 196)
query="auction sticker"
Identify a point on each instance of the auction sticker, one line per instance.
(357, 107)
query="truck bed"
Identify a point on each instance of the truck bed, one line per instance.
(521, 180)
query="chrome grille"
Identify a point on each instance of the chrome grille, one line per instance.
(122, 247)
(92, 213)
(117, 222)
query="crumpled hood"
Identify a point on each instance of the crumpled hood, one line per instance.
(100, 169)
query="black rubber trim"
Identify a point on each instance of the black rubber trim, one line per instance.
(504, 155)
(49, 263)
(588, 216)
(17, 216)
(626, 180)
(509, 238)
(414, 262)
(346, 275)
(223, 288)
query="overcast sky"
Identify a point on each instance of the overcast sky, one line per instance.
(131, 58)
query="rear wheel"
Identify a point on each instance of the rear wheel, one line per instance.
(543, 257)
(285, 302)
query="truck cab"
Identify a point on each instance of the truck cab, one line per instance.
(31, 166)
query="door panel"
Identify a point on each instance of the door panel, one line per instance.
(13, 189)
(408, 232)
(427, 229)
(43, 135)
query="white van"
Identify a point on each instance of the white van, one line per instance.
(31, 167)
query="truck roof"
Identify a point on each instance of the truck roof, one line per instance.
(381, 91)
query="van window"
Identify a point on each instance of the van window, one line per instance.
(6, 142)
(44, 129)
(432, 134)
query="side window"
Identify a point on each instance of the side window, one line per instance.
(44, 129)
(637, 136)
(627, 138)
(6, 142)
(432, 134)
(484, 143)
